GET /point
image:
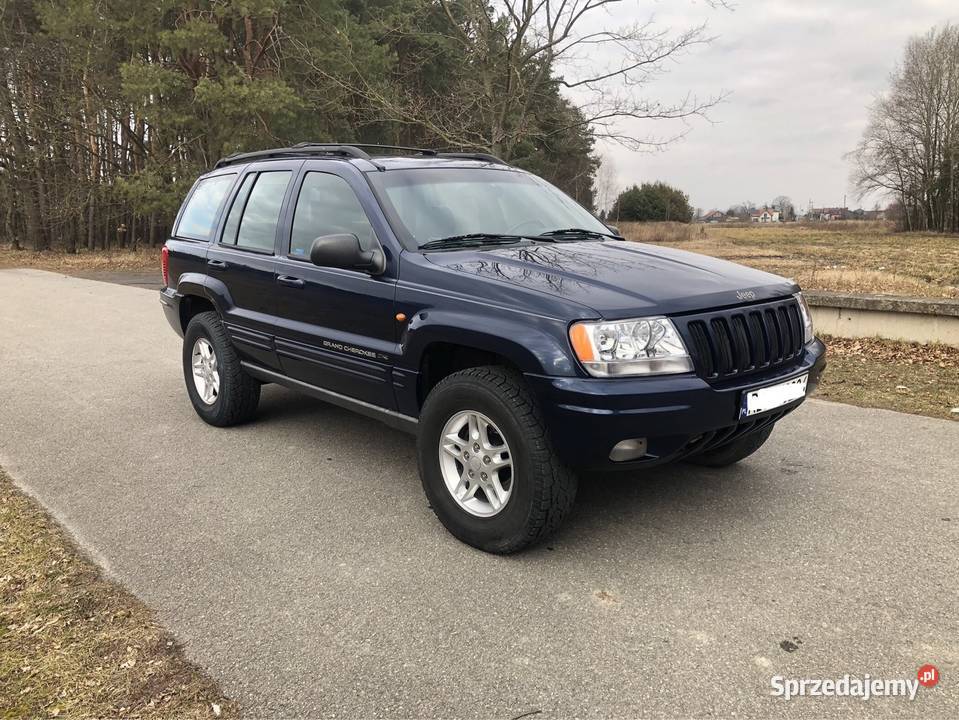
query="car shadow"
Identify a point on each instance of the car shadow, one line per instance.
(671, 501)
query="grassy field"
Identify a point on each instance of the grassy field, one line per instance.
(841, 256)
(73, 644)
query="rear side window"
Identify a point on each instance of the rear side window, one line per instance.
(261, 212)
(198, 216)
(327, 205)
(236, 210)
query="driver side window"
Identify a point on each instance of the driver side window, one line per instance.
(327, 205)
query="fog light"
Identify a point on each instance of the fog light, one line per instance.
(628, 450)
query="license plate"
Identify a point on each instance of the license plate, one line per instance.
(772, 397)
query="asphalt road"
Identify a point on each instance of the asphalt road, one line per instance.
(148, 279)
(297, 560)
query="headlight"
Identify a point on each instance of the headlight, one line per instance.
(646, 346)
(808, 335)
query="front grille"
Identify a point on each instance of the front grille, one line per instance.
(731, 343)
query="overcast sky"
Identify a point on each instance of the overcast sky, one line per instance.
(801, 74)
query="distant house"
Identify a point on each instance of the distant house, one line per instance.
(765, 215)
(828, 213)
(714, 216)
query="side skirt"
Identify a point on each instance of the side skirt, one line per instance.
(390, 417)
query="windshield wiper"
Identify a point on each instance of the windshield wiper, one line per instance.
(579, 232)
(471, 240)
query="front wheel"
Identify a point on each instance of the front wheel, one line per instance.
(486, 462)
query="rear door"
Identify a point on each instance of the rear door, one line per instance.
(243, 259)
(335, 328)
(195, 226)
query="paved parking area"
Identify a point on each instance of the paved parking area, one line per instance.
(297, 560)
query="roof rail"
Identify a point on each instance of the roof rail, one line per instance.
(406, 148)
(298, 150)
(486, 157)
(349, 151)
(429, 152)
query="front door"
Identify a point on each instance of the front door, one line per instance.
(335, 328)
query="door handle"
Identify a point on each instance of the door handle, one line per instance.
(290, 281)
(218, 264)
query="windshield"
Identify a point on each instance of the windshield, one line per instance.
(435, 203)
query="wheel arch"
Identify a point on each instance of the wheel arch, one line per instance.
(441, 346)
(200, 293)
(192, 305)
(440, 359)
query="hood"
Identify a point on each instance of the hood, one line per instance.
(619, 279)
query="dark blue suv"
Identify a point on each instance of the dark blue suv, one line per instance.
(477, 306)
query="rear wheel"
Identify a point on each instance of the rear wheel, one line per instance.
(221, 392)
(734, 451)
(486, 462)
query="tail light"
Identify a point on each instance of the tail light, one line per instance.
(165, 265)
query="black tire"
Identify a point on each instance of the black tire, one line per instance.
(544, 488)
(239, 393)
(735, 451)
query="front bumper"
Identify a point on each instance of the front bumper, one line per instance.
(677, 414)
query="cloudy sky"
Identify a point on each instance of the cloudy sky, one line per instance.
(800, 73)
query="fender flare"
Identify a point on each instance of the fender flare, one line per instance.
(218, 294)
(536, 345)
(202, 286)
(191, 284)
(206, 287)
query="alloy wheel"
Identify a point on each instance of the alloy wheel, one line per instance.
(476, 463)
(206, 374)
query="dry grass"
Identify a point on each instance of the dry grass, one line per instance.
(841, 256)
(141, 259)
(660, 232)
(908, 377)
(73, 644)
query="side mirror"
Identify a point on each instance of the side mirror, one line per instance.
(613, 229)
(344, 251)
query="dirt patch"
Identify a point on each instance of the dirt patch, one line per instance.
(73, 644)
(908, 377)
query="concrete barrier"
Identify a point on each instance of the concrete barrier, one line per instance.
(920, 320)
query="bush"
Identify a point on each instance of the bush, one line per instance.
(652, 202)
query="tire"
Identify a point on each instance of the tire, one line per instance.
(238, 394)
(733, 452)
(541, 488)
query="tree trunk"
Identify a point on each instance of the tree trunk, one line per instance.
(152, 229)
(28, 198)
(91, 223)
(9, 229)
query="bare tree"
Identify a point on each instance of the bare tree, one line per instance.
(606, 191)
(521, 51)
(784, 205)
(910, 149)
